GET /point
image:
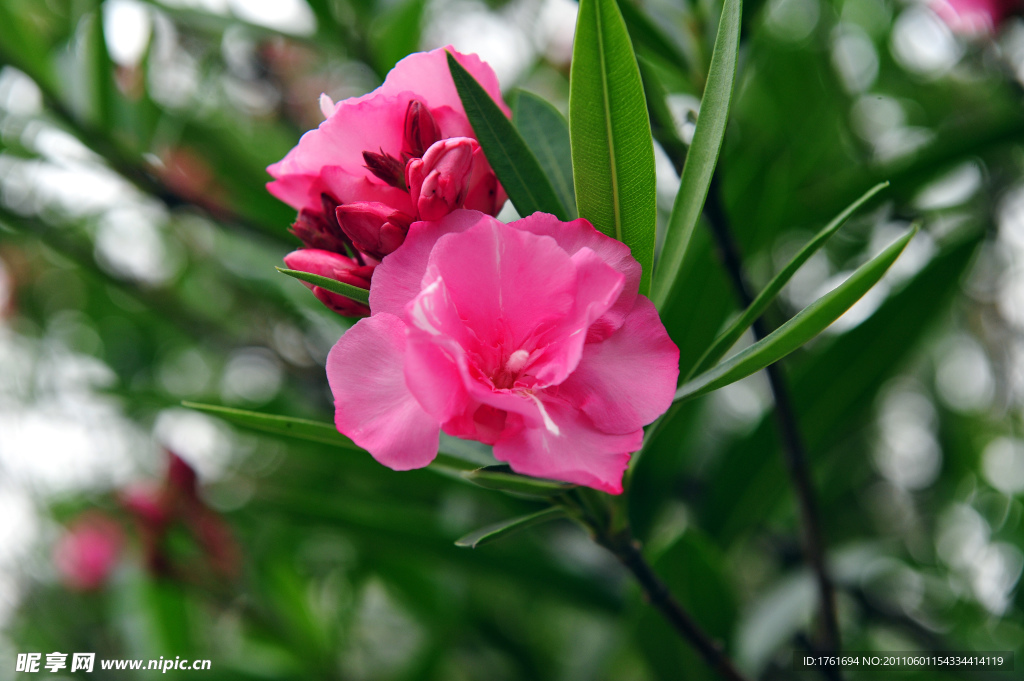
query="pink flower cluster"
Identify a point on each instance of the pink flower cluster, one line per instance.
(378, 163)
(530, 336)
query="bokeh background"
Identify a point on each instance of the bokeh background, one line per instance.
(137, 254)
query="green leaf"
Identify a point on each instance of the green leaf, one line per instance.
(702, 156)
(511, 159)
(502, 478)
(357, 294)
(833, 394)
(546, 132)
(305, 429)
(804, 326)
(503, 528)
(288, 426)
(732, 334)
(648, 37)
(612, 149)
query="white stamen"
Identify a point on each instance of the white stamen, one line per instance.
(548, 423)
(516, 361)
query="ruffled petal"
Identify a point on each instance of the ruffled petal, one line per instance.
(627, 380)
(568, 446)
(577, 234)
(373, 406)
(427, 74)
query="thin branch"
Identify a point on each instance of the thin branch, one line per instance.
(591, 511)
(627, 550)
(128, 165)
(793, 448)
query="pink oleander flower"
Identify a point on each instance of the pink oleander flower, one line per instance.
(87, 553)
(529, 336)
(401, 153)
(975, 17)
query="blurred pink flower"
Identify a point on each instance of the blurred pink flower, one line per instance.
(403, 152)
(975, 17)
(88, 551)
(529, 336)
(158, 508)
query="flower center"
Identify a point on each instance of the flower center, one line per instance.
(507, 375)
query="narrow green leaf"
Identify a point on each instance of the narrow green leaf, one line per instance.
(305, 429)
(804, 326)
(703, 154)
(546, 132)
(503, 528)
(357, 294)
(511, 159)
(732, 334)
(612, 149)
(502, 478)
(302, 429)
(648, 37)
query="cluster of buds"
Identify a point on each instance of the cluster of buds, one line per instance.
(159, 510)
(378, 163)
(345, 242)
(89, 550)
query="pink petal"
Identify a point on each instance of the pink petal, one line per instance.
(572, 236)
(369, 123)
(505, 283)
(427, 74)
(399, 277)
(568, 446)
(597, 287)
(373, 406)
(628, 379)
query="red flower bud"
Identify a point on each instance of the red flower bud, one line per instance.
(386, 167)
(333, 266)
(439, 182)
(421, 130)
(375, 228)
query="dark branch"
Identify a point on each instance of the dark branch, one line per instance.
(785, 416)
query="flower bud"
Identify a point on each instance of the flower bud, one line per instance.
(385, 167)
(374, 228)
(333, 266)
(421, 130)
(321, 229)
(439, 182)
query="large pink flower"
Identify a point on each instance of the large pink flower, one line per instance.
(529, 336)
(403, 152)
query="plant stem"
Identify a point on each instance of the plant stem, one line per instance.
(794, 452)
(627, 550)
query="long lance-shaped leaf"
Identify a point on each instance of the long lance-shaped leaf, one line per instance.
(504, 479)
(503, 528)
(612, 149)
(546, 132)
(333, 285)
(702, 157)
(305, 429)
(517, 168)
(804, 326)
(728, 338)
